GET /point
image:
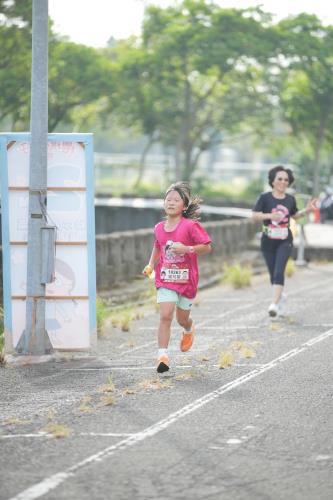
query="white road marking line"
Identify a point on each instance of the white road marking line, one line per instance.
(122, 368)
(213, 327)
(52, 482)
(48, 435)
(248, 364)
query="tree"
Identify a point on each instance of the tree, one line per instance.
(78, 75)
(307, 85)
(197, 71)
(15, 64)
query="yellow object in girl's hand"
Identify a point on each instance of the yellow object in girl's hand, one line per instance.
(149, 272)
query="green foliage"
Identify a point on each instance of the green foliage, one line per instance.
(197, 74)
(307, 86)
(78, 75)
(237, 276)
(192, 76)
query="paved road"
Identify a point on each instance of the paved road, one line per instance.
(260, 429)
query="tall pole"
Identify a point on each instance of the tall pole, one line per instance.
(34, 339)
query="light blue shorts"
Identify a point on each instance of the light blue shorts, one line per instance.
(167, 295)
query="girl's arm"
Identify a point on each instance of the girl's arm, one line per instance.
(155, 255)
(202, 248)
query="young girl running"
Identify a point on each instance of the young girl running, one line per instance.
(178, 241)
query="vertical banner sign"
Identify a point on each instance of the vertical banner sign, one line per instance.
(70, 317)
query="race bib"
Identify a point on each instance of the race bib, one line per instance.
(277, 232)
(174, 274)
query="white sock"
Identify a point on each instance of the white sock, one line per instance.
(191, 327)
(162, 352)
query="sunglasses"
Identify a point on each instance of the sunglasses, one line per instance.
(285, 179)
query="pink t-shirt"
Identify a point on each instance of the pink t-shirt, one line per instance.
(179, 272)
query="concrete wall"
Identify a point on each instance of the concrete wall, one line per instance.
(121, 256)
(109, 219)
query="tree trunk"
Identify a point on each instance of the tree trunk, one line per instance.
(142, 163)
(316, 166)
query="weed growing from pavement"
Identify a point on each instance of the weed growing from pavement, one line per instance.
(85, 405)
(58, 431)
(51, 414)
(15, 421)
(154, 383)
(226, 359)
(290, 268)
(117, 316)
(2, 340)
(237, 276)
(146, 385)
(189, 374)
(101, 313)
(109, 400)
(247, 352)
(275, 327)
(236, 345)
(109, 386)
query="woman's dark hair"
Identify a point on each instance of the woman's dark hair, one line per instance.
(274, 171)
(191, 204)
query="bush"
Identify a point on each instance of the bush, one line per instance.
(237, 276)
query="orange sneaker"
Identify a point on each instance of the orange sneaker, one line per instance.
(163, 364)
(187, 340)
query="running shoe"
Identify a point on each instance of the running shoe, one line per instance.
(282, 305)
(163, 364)
(273, 310)
(187, 340)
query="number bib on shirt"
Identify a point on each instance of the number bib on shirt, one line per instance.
(277, 232)
(174, 274)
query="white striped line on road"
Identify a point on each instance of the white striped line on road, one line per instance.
(48, 435)
(48, 484)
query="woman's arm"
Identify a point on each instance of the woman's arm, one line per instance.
(310, 207)
(260, 216)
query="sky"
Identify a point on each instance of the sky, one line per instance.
(94, 22)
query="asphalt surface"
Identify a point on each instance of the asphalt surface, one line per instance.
(260, 429)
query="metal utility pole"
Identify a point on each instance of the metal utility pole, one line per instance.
(34, 339)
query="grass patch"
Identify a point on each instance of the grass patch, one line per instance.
(226, 359)
(58, 430)
(2, 339)
(122, 319)
(101, 314)
(109, 386)
(85, 406)
(15, 421)
(109, 400)
(237, 276)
